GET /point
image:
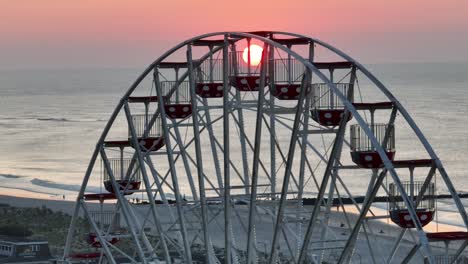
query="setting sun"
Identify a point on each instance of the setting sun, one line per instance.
(255, 55)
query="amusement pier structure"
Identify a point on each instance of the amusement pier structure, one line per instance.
(212, 151)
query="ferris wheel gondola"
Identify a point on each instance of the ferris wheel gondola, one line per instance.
(228, 147)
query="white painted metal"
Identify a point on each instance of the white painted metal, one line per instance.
(247, 213)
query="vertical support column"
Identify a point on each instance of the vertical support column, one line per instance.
(375, 174)
(350, 244)
(170, 157)
(271, 85)
(304, 149)
(176, 86)
(76, 211)
(98, 234)
(411, 170)
(332, 95)
(198, 154)
(372, 127)
(183, 153)
(145, 126)
(214, 151)
(288, 168)
(335, 161)
(121, 163)
(328, 171)
(388, 131)
(396, 245)
(352, 80)
(331, 193)
(306, 124)
(125, 208)
(227, 177)
(211, 63)
(251, 254)
(101, 214)
(289, 66)
(248, 57)
(209, 126)
(240, 113)
(149, 193)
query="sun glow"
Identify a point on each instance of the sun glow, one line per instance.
(255, 55)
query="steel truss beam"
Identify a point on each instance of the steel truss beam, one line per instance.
(229, 38)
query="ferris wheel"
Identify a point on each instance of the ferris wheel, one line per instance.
(261, 147)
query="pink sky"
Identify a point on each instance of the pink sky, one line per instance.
(125, 33)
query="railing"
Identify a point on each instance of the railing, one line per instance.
(285, 70)
(361, 142)
(141, 122)
(210, 71)
(119, 169)
(176, 95)
(242, 67)
(325, 98)
(106, 217)
(288, 71)
(444, 259)
(412, 189)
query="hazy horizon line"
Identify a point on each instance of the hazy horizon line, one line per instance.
(143, 66)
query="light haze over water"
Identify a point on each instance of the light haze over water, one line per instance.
(50, 120)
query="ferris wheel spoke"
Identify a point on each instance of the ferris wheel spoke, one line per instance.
(335, 154)
(278, 148)
(235, 211)
(332, 186)
(213, 145)
(256, 160)
(233, 166)
(98, 233)
(350, 244)
(146, 183)
(170, 157)
(411, 254)
(184, 155)
(396, 246)
(159, 185)
(131, 222)
(291, 150)
(262, 165)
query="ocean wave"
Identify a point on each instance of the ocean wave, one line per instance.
(61, 186)
(55, 119)
(62, 119)
(33, 191)
(26, 117)
(10, 176)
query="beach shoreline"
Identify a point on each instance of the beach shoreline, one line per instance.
(382, 230)
(66, 204)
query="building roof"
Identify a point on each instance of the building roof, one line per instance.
(21, 240)
(35, 260)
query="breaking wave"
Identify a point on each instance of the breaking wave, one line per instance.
(61, 119)
(55, 119)
(10, 176)
(61, 186)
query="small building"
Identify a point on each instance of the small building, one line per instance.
(23, 250)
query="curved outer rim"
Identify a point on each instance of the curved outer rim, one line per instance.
(349, 106)
(402, 110)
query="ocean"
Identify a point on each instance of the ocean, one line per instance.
(50, 120)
